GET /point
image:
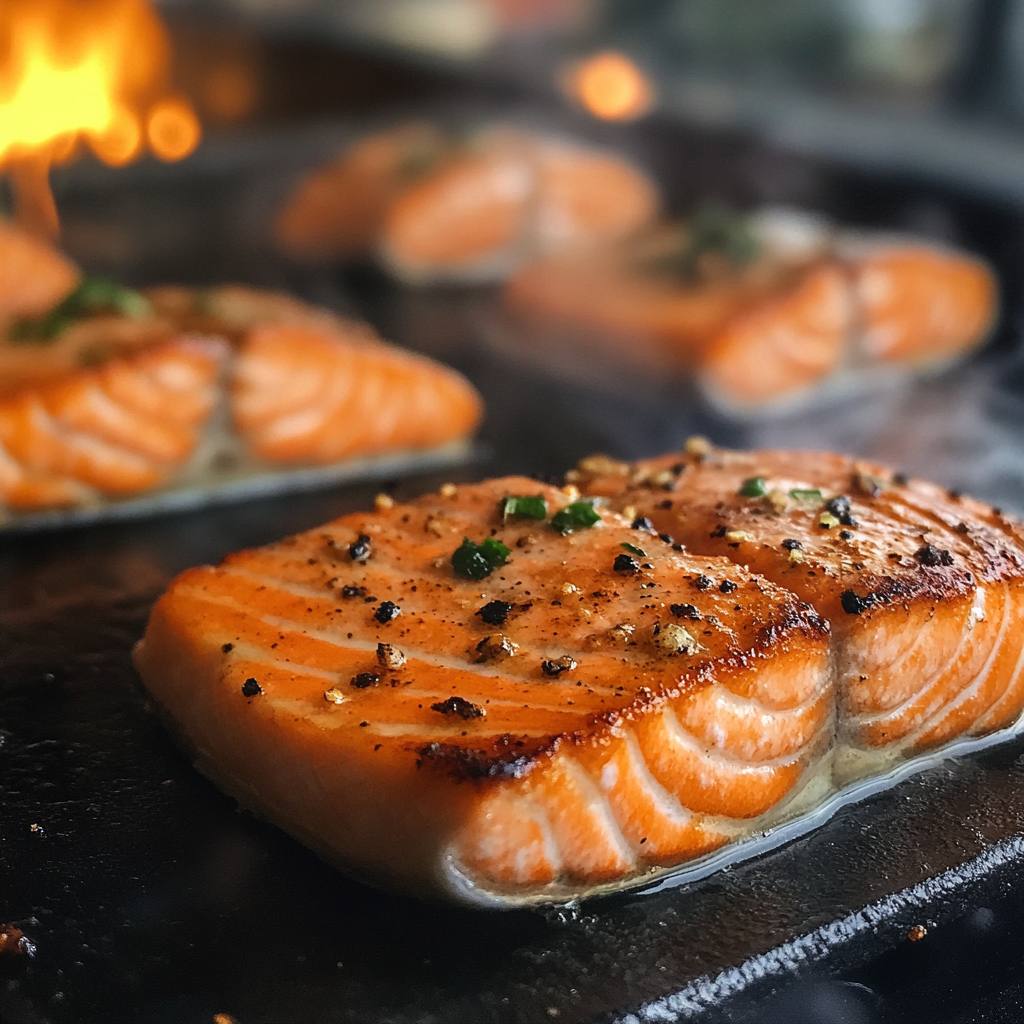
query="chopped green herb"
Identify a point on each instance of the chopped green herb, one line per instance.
(475, 561)
(633, 549)
(94, 295)
(800, 494)
(713, 231)
(523, 506)
(580, 515)
(753, 487)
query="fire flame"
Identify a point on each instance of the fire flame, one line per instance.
(611, 87)
(92, 71)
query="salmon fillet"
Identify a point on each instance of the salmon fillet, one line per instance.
(300, 394)
(118, 429)
(304, 386)
(582, 708)
(923, 588)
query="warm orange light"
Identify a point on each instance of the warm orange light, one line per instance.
(612, 87)
(86, 70)
(173, 129)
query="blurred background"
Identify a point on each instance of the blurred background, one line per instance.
(898, 115)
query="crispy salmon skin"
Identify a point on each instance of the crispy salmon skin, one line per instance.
(924, 588)
(495, 692)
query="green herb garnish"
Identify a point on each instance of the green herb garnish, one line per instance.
(715, 231)
(753, 487)
(523, 506)
(800, 494)
(93, 296)
(580, 515)
(633, 549)
(475, 561)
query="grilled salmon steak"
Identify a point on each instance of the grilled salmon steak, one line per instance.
(493, 692)
(923, 588)
(109, 392)
(120, 428)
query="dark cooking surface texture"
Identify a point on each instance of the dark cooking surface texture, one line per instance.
(151, 899)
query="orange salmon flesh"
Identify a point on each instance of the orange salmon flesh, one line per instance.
(696, 665)
(298, 386)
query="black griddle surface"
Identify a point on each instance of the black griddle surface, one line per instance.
(150, 898)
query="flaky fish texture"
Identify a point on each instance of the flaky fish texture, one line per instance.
(697, 649)
(598, 706)
(923, 588)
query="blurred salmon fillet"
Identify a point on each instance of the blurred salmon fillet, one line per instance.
(119, 429)
(109, 392)
(579, 714)
(767, 326)
(445, 208)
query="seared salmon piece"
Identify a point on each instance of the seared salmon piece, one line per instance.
(924, 589)
(577, 710)
(121, 428)
(784, 346)
(603, 289)
(307, 395)
(508, 196)
(339, 209)
(466, 221)
(34, 276)
(920, 304)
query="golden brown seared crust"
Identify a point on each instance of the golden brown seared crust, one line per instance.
(908, 539)
(924, 588)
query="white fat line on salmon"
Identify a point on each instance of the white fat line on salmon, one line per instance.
(1011, 688)
(979, 679)
(426, 658)
(91, 447)
(596, 802)
(329, 716)
(921, 638)
(934, 682)
(664, 803)
(677, 733)
(483, 700)
(760, 727)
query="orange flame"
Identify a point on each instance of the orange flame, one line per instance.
(93, 71)
(611, 87)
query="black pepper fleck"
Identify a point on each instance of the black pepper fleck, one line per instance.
(625, 563)
(351, 591)
(931, 556)
(667, 503)
(250, 688)
(227, 647)
(494, 613)
(854, 604)
(387, 611)
(792, 545)
(845, 535)
(458, 706)
(703, 582)
(839, 506)
(685, 611)
(727, 586)
(365, 679)
(718, 531)
(642, 523)
(360, 550)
